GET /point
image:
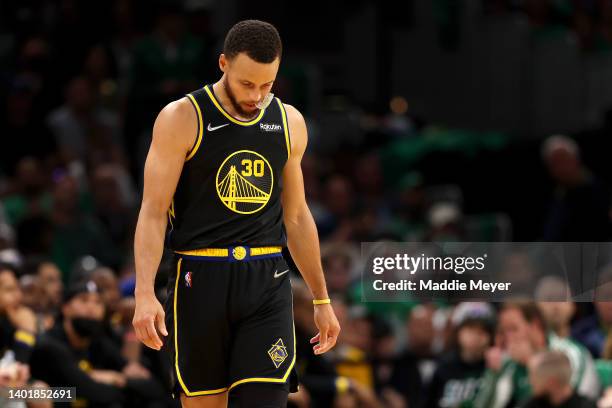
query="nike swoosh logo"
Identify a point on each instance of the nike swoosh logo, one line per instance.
(212, 129)
(278, 274)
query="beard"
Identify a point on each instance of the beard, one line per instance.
(235, 104)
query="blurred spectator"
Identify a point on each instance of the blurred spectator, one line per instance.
(519, 269)
(76, 352)
(113, 199)
(396, 372)
(7, 236)
(460, 373)
(521, 334)
(32, 292)
(29, 196)
(23, 126)
(99, 70)
(17, 322)
(369, 183)
(51, 280)
(336, 224)
(84, 131)
(550, 375)
(445, 223)
(593, 329)
(166, 64)
(580, 209)
(338, 261)
(75, 232)
(425, 338)
(108, 286)
(410, 211)
(554, 301)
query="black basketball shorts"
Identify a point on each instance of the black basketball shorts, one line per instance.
(230, 323)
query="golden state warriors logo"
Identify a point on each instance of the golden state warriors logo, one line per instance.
(278, 353)
(244, 182)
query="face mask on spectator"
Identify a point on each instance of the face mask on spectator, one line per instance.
(86, 327)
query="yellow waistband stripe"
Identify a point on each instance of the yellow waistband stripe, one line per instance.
(224, 252)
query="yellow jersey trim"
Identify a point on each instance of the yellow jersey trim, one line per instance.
(171, 214)
(273, 380)
(200, 128)
(285, 127)
(227, 115)
(176, 350)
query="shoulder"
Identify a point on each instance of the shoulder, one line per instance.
(49, 345)
(177, 121)
(566, 345)
(294, 116)
(297, 129)
(177, 110)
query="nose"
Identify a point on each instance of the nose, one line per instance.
(255, 96)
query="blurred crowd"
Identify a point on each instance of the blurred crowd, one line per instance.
(589, 20)
(81, 83)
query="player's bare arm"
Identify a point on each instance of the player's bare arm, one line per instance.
(302, 236)
(174, 133)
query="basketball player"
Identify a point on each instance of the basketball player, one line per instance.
(223, 176)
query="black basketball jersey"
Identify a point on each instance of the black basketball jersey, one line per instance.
(229, 190)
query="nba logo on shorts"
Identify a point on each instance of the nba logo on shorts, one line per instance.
(188, 279)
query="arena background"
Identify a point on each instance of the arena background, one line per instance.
(427, 120)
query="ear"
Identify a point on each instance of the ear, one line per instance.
(223, 63)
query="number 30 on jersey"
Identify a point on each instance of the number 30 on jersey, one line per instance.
(253, 168)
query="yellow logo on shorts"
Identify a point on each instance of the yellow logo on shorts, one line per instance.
(278, 353)
(244, 182)
(239, 253)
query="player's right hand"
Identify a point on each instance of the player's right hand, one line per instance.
(149, 321)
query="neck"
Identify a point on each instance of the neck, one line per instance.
(562, 331)
(560, 396)
(74, 339)
(471, 357)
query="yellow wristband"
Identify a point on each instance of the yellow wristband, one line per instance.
(321, 301)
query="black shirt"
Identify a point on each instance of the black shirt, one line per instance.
(454, 381)
(575, 401)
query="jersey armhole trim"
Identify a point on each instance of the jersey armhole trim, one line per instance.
(285, 127)
(198, 141)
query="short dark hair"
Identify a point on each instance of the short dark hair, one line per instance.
(529, 310)
(258, 39)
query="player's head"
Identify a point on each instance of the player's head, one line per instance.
(251, 56)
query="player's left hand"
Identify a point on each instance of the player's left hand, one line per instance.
(328, 326)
